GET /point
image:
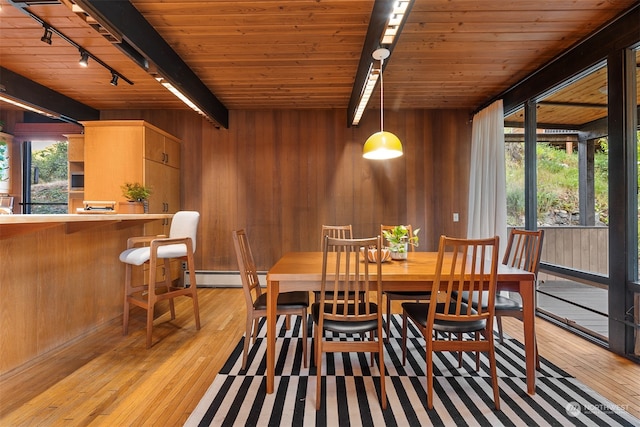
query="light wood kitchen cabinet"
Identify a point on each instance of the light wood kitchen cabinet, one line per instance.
(120, 151)
(132, 151)
(75, 158)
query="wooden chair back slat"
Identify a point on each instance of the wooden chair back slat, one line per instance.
(347, 279)
(465, 265)
(248, 272)
(524, 248)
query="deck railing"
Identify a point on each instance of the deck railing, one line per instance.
(576, 247)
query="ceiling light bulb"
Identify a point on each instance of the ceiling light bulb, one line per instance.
(114, 79)
(84, 59)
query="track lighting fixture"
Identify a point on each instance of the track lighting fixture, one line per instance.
(84, 58)
(114, 79)
(46, 37)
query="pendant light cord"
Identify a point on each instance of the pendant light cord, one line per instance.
(381, 98)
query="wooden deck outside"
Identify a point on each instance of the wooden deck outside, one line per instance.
(581, 248)
(595, 317)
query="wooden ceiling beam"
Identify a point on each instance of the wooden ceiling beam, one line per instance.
(121, 17)
(380, 14)
(20, 88)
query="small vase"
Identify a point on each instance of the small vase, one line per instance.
(398, 253)
(130, 208)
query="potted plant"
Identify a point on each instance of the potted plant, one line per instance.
(399, 241)
(137, 195)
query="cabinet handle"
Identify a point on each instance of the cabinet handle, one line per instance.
(166, 158)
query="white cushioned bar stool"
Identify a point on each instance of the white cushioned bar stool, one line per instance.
(181, 244)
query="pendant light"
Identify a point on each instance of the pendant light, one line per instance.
(382, 145)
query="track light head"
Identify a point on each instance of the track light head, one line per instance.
(84, 58)
(114, 79)
(46, 37)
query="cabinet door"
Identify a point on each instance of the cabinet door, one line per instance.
(172, 195)
(172, 152)
(154, 145)
(112, 156)
(155, 177)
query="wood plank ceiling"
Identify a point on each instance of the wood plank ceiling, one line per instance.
(262, 54)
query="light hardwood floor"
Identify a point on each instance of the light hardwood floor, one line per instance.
(110, 380)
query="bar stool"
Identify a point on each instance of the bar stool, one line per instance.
(180, 244)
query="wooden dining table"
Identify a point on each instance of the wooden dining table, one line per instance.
(302, 271)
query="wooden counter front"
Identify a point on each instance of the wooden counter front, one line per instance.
(60, 279)
(14, 225)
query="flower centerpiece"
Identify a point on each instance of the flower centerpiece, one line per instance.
(399, 240)
(137, 195)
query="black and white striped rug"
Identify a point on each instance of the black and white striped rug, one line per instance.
(351, 391)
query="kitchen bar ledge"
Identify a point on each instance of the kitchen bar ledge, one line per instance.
(15, 225)
(61, 280)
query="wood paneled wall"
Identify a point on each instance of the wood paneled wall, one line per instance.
(282, 174)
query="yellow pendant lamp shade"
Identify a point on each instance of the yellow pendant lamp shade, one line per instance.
(382, 145)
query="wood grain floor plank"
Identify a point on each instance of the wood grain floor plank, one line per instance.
(108, 379)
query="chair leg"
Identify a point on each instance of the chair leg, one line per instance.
(255, 330)
(247, 336)
(318, 370)
(388, 319)
(149, 326)
(151, 300)
(429, 359)
(478, 353)
(494, 375)
(167, 285)
(193, 286)
(404, 337)
(127, 291)
(315, 346)
(499, 322)
(304, 336)
(383, 392)
(372, 338)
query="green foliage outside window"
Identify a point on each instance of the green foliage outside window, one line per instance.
(557, 181)
(52, 186)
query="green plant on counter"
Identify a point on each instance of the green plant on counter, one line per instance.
(135, 192)
(399, 237)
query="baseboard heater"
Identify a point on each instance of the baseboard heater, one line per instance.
(221, 279)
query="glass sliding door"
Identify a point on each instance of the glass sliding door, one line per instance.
(571, 198)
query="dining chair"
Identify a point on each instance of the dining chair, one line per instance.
(295, 302)
(463, 265)
(346, 312)
(523, 251)
(181, 244)
(336, 232)
(401, 295)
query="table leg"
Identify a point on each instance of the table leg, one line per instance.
(527, 291)
(272, 302)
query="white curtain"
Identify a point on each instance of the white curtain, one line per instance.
(487, 180)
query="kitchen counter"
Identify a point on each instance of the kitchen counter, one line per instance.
(14, 225)
(61, 279)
